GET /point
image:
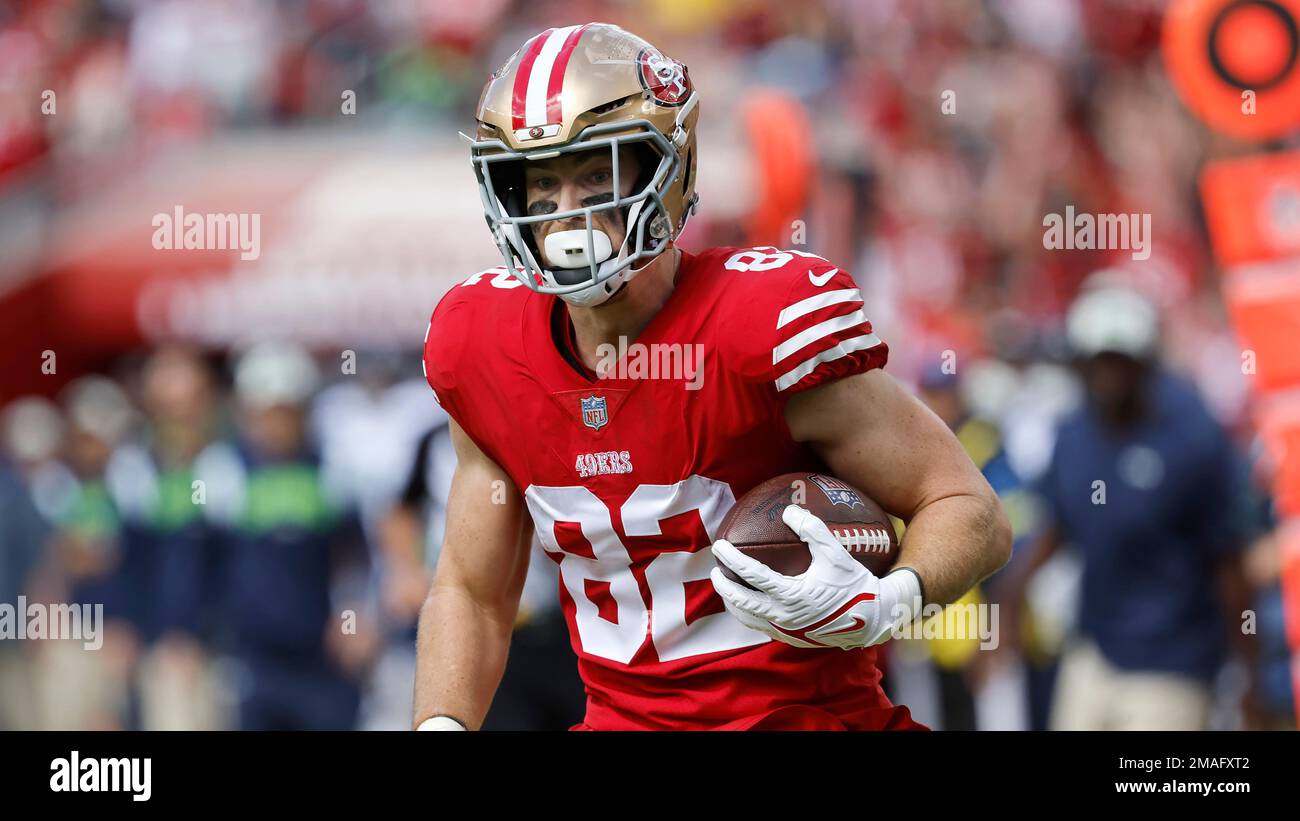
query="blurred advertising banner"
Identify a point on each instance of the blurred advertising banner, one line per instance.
(1263, 300)
(328, 241)
(1252, 205)
(1279, 423)
(1236, 65)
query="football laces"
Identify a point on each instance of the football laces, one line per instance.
(863, 540)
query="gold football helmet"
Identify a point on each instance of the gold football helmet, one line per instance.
(593, 87)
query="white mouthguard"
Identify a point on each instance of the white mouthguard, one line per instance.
(568, 249)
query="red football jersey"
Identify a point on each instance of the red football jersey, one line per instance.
(627, 476)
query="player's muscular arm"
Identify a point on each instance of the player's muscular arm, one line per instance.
(874, 435)
(466, 622)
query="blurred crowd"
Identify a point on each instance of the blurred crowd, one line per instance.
(224, 525)
(940, 133)
(261, 537)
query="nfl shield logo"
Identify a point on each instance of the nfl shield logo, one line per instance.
(836, 491)
(594, 414)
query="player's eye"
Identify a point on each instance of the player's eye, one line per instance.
(544, 183)
(601, 177)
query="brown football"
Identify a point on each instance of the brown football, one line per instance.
(755, 526)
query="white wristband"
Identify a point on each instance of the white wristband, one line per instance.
(440, 723)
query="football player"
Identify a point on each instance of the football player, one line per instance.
(615, 394)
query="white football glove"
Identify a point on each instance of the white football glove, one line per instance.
(836, 602)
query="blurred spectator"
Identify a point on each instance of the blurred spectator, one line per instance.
(82, 688)
(33, 441)
(1142, 485)
(161, 505)
(955, 663)
(410, 533)
(374, 425)
(1273, 700)
(22, 541)
(292, 560)
(369, 423)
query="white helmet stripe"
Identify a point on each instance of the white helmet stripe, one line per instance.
(539, 77)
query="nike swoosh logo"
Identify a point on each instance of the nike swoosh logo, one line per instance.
(858, 624)
(803, 634)
(819, 281)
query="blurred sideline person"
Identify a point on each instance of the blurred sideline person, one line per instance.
(161, 507)
(1273, 700)
(950, 666)
(1141, 483)
(22, 546)
(292, 560)
(409, 532)
(370, 424)
(83, 688)
(33, 433)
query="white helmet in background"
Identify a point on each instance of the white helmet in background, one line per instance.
(1113, 319)
(96, 405)
(275, 373)
(33, 429)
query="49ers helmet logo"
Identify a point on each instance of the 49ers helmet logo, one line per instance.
(663, 78)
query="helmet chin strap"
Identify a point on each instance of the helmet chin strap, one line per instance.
(602, 292)
(627, 277)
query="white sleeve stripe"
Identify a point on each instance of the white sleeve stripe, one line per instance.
(816, 302)
(810, 335)
(848, 346)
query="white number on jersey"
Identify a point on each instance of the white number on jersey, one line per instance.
(501, 278)
(662, 619)
(764, 258)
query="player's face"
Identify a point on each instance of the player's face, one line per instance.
(581, 180)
